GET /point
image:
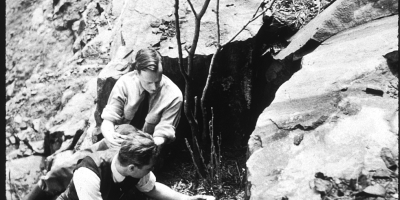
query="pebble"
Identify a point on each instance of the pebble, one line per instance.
(162, 27)
(322, 185)
(7, 142)
(23, 126)
(156, 31)
(23, 147)
(298, 138)
(19, 153)
(36, 124)
(12, 139)
(23, 135)
(163, 37)
(37, 146)
(376, 189)
(8, 134)
(18, 119)
(387, 157)
(155, 24)
(382, 173)
(28, 152)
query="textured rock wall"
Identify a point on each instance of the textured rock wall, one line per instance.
(341, 15)
(334, 116)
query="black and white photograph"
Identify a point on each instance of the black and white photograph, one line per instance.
(201, 100)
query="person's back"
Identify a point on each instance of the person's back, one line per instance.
(100, 163)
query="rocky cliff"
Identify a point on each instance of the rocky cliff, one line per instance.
(62, 62)
(332, 130)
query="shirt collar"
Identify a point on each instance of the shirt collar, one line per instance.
(116, 175)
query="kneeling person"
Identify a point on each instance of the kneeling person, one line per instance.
(123, 173)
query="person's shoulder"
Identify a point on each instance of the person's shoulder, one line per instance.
(129, 78)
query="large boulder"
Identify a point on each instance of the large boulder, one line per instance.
(152, 23)
(341, 15)
(334, 116)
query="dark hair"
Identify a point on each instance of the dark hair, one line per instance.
(147, 59)
(139, 149)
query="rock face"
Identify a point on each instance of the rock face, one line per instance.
(342, 101)
(144, 23)
(341, 15)
(75, 49)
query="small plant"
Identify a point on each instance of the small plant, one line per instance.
(213, 168)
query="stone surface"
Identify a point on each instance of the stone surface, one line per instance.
(341, 15)
(136, 17)
(21, 175)
(344, 127)
(387, 157)
(377, 190)
(382, 173)
(76, 112)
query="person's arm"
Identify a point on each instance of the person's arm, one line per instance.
(165, 129)
(161, 191)
(113, 139)
(113, 113)
(87, 184)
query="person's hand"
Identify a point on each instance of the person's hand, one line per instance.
(159, 141)
(202, 197)
(114, 139)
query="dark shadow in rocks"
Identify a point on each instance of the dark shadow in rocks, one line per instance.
(392, 60)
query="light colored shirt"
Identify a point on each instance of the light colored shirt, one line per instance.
(164, 105)
(87, 183)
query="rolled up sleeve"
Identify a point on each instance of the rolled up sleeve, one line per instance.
(114, 110)
(147, 183)
(169, 120)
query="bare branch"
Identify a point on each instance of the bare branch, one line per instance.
(251, 20)
(178, 39)
(187, 50)
(262, 4)
(195, 107)
(205, 89)
(218, 28)
(203, 10)
(193, 158)
(193, 10)
(196, 34)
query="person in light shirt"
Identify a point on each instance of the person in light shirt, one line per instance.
(129, 92)
(123, 173)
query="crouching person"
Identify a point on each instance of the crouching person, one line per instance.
(123, 173)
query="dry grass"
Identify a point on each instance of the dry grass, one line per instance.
(179, 174)
(298, 13)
